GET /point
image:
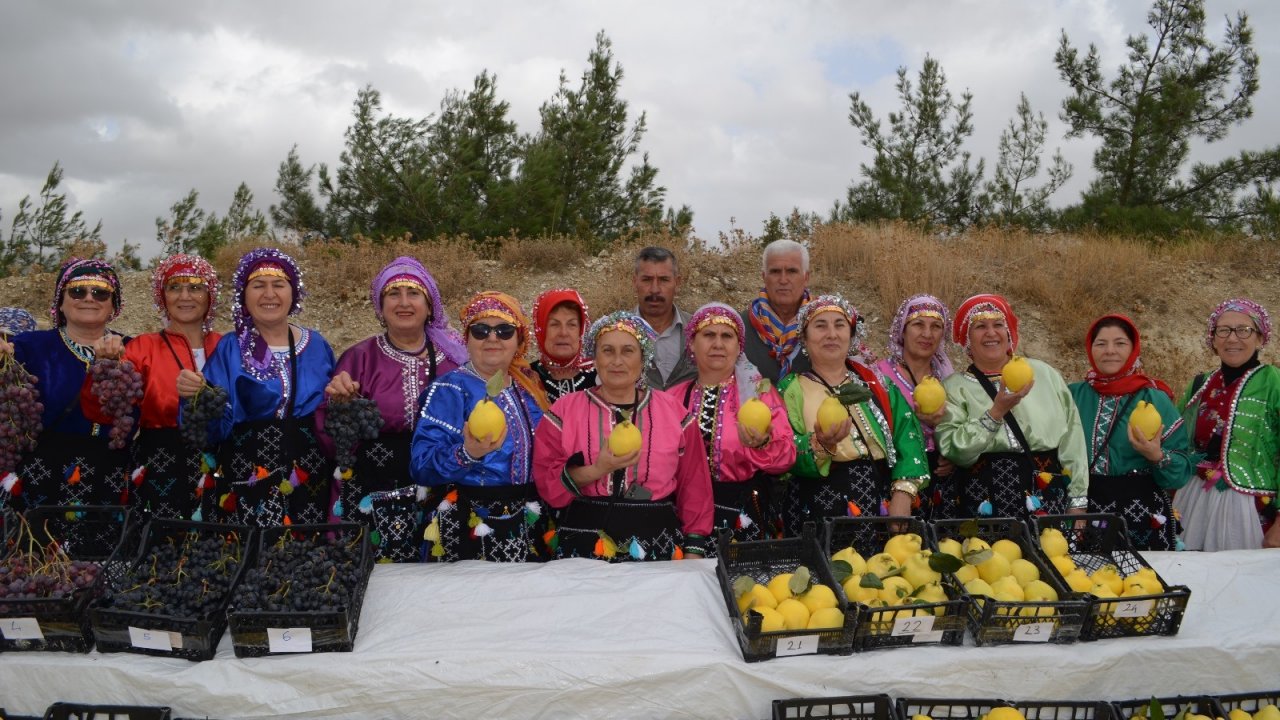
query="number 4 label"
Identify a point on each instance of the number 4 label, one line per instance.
(20, 628)
(290, 640)
(800, 645)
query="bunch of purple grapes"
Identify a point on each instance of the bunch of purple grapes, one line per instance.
(20, 413)
(118, 387)
(207, 406)
(28, 576)
(348, 422)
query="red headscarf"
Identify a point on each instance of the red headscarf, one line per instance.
(1130, 378)
(977, 306)
(542, 307)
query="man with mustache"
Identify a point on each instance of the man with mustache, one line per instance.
(656, 279)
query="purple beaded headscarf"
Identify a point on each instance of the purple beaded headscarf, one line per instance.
(915, 307)
(745, 374)
(1258, 314)
(408, 270)
(86, 271)
(254, 352)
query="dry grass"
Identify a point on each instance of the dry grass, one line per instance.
(548, 254)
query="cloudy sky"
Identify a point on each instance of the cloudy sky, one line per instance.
(747, 102)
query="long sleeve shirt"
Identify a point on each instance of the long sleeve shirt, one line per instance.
(728, 459)
(1100, 417)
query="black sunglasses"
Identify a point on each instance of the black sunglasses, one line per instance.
(99, 294)
(480, 331)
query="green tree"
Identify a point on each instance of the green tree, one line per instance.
(1009, 196)
(127, 258)
(243, 220)
(573, 179)
(1174, 86)
(920, 172)
(472, 149)
(188, 228)
(297, 212)
(382, 185)
(42, 230)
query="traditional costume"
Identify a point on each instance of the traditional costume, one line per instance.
(1003, 475)
(378, 490)
(773, 346)
(883, 452)
(938, 502)
(490, 508)
(585, 372)
(271, 468)
(1122, 481)
(657, 509)
(1234, 414)
(71, 464)
(741, 476)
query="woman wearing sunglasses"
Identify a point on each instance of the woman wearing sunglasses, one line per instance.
(271, 468)
(650, 503)
(168, 473)
(394, 369)
(71, 463)
(1233, 414)
(489, 508)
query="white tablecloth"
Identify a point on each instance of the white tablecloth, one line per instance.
(580, 638)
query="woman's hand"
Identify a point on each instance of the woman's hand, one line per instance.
(1149, 449)
(108, 347)
(190, 383)
(342, 388)
(900, 505)
(933, 419)
(479, 447)
(6, 347)
(606, 462)
(1272, 538)
(833, 437)
(752, 439)
(1006, 401)
(945, 467)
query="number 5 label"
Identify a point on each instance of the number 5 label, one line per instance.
(289, 640)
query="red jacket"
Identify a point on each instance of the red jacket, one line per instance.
(159, 366)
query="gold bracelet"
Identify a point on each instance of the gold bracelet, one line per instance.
(905, 486)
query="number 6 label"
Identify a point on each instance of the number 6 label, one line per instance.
(289, 640)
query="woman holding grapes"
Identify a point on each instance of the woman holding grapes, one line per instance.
(76, 460)
(389, 371)
(257, 398)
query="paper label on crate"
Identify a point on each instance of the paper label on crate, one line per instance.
(289, 640)
(151, 639)
(928, 637)
(1034, 632)
(1133, 608)
(913, 625)
(20, 628)
(800, 645)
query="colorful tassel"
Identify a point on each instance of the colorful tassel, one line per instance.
(744, 521)
(482, 530)
(299, 476)
(884, 509)
(449, 501)
(207, 462)
(198, 515)
(1033, 503)
(366, 504)
(677, 554)
(854, 510)
(228, 501)
(137, 475)
(605, 546)
(481, 512)
(552, 539)
(437, 550)
(473, 521)
(124, 495)
(985, 509)
(421, 493)
(1043, 479)
(637, 550)
(1158, 521)
(286, 487)
(8, 482)
(73, 476)
(338, 509)
(287, 521)
(432, 533)
(375, 538)
(532, 511)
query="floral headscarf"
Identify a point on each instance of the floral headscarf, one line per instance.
(981, 307)
(745, 374)
(915, 307)
(191, 268)
(255, 355)
(408, 271)
(1258, 314)
(494, 304)
(80, 271)
(542, 307)
(14, 320)
(834, 302)
(633, 325)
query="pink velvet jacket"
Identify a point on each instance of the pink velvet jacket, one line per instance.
(730, 460)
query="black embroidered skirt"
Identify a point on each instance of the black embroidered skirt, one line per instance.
(850, 489)
(276, 446)
(640, 529)
(504, 529)
(172, 474)
(1146, 508)
(66, 469)
(1006, 480)
(381, 474)
(743, 508)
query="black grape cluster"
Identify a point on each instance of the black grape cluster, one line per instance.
(118, 387)
(199, 411)
(48, 574)
(303, 574)
(348, 423)
(186, 578)
(20, 413)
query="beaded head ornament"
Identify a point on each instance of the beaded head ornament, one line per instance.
(1258, 314)
(983, 307)
(406, 270)
(91, 272)
(745, 374)
(835, 303)
(185, 268)
(254, 352)
(921, 306)
(627, 322)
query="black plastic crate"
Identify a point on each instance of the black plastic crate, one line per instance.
(994, 622)
(74, 711)
(97, 534)
(1200, 704)
(1248, 702)
(975, 708)
(878, 627)
(849, 707)
(762, 560)
(193, 638)
(328, 631)
(1104, 540)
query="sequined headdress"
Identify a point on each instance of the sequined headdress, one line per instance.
(981, 307)
(191, 268)
(745, 374)
(630, 323)
(408, 270)
(254, 352)
(835, 303)
(914, 307)
(86, 271)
